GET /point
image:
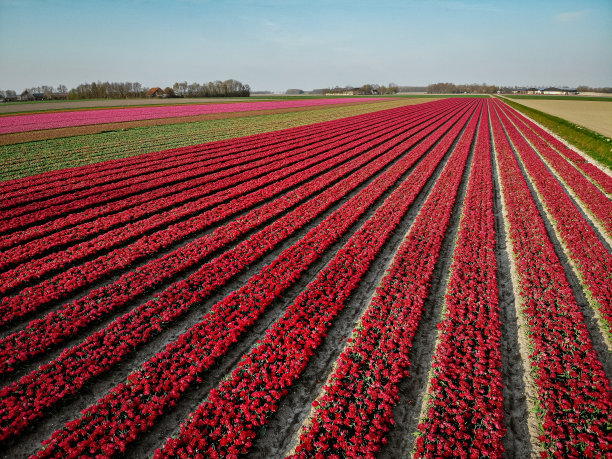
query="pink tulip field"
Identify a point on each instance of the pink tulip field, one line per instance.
(432, 280)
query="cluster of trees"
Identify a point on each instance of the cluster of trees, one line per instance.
(7, 95)
(107, 90)
(128, 90)
(227, 88)
(366, 89)
(451, 88)
(49, 91)
(391, 88)
(589, 89)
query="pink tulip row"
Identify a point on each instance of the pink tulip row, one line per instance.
(592, 259)
(171, 163)
(37, 121)
(600, 178)
(464, 415)
(227, 422)
(168, 374)
(572, 389)
(62, 284)
(33, 395)
(353, 414)
(65, 322)
(592, 197)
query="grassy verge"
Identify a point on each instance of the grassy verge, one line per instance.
(595, 145)
(25, 159)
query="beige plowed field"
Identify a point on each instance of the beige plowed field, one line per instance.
(594, 115)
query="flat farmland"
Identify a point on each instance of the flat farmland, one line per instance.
(421, 280)
(594, 115)
(27, 153)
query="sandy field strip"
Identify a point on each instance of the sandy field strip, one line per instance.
(593, 115)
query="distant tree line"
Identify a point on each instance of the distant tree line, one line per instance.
(367, 89)
(451, 88)
(128, 90)
(227, 88)
(589, 89)
(107, 90)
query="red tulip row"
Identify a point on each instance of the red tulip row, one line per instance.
(592, 259)
(353, 414)
(136, 404)
(591, 196)
(464, 414)
(573, 390)
(600, 178)
(227, 421)
(34, 394)
(212, 153)
(107, 216)
(34, 297)
(67, 321)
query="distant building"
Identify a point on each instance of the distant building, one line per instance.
(559, 91)
(343, 92)
(155, 92)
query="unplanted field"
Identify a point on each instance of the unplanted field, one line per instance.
(594, 115)
(429, 279)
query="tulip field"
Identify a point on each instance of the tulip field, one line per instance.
(36, 121)
(429, 280)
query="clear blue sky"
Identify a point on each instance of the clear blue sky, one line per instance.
(276, 45)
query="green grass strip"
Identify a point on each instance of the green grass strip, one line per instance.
(25, 159)
(592, 143)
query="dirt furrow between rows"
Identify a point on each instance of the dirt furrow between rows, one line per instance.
(516, 441)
